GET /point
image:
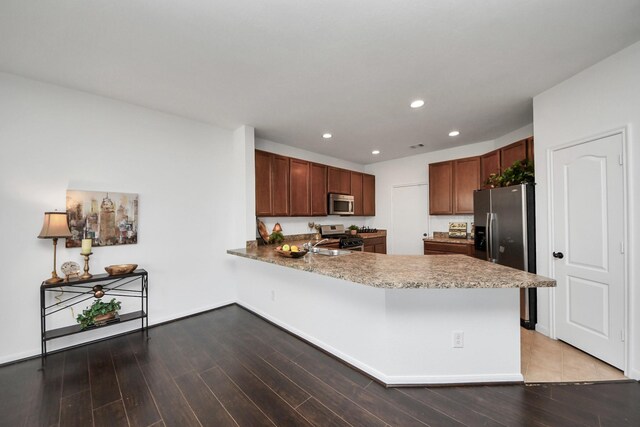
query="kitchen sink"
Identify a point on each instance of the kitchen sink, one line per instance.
(330, 252)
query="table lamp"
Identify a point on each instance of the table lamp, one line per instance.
(55, 226)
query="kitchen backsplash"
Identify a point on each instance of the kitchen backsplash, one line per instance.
(441, 222)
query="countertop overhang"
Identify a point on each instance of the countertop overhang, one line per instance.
(404, 271)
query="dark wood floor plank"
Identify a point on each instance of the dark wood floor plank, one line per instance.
(76, 372)
(579, 398)
(163, 346)
(102, 375)
(281, 413)
(418, 410)
(450, 407)
(241, 408)
(136, 396)
(207, 408)
(110, 415)
(75, 410)
(331, 372)
(189, 345)
(44, 404)
(320, 415)
(340, 369)
(475, 400)
(19, 384)
(274, 379)
(328, 396)
(171, 404)
(546, 403)
(518, 403)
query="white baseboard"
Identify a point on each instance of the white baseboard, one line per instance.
(543, 330)
(634, 374)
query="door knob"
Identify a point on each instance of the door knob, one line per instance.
(558, 255)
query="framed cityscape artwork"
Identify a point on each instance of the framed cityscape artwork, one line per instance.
(106, 218)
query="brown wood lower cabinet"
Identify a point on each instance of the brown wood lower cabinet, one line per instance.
(376, 245)
(441, 248)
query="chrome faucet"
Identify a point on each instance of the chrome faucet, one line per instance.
(308, 246)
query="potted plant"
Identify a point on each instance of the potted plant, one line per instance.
(276, 237)
(521, 172)
(98, 313)
(353, 229)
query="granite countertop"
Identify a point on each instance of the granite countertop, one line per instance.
(449, 240)
(404, 271)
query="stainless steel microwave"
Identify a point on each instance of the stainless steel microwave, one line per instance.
(341, 204)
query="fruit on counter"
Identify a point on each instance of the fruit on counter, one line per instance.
(279, 248)
(294, 248)
(286, 248)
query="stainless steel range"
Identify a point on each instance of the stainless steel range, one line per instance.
(347, 241)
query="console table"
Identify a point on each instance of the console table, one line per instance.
(77, 291)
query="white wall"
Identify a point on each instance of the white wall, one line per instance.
(298, 225)
(601, 98)
(52, 139)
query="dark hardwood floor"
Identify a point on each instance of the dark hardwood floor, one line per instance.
(229, 367)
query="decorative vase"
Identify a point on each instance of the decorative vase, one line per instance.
(103, 319)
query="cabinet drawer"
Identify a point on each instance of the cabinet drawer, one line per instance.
(375, 241)
(453, 248)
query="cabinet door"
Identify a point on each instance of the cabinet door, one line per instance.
(318, 190)
(530, 149)
(263, 183)
(441, 188)
(489, 163)
(381, 248)
(466, 179)
(339, 181)
(280, 185)
(368, 195)
(356, 192)
(299, 186)
(513, 152)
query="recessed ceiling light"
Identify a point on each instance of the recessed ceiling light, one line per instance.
(454, 133)
(374, 152)
(326, 135)
(417, 103)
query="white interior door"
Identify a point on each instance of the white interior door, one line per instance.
(588, 224)
(410, 219)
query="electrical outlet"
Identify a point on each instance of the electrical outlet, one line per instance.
(273, 295)
(458, 339)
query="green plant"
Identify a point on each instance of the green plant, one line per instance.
(521, 172)
(353, 227)
(87, 318)
(276, 237)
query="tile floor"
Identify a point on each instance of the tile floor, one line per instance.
(545, 360)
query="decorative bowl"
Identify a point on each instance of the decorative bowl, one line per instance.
(291, 254)
(116, 270)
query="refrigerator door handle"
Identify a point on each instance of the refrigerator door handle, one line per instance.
(490, 217)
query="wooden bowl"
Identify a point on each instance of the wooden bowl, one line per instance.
(116, 270)
(289, 254)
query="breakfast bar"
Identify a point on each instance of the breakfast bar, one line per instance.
(403, 320)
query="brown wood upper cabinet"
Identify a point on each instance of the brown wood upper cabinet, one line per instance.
(293, 187)
(368, 195)
(318, 190)
(338, 181)
(441, 188)
(513, 152)
(489, 163)
(466, 179)
(272, 184)
(356, 192)
(300, 187)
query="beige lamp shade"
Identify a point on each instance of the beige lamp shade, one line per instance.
(55, 226)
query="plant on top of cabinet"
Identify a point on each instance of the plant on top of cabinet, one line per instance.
(521, 172)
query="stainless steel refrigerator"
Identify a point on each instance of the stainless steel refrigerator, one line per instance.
(504, 221)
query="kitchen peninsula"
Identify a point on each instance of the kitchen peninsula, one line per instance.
(398, 327)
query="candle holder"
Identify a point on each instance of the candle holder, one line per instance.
(86, 274)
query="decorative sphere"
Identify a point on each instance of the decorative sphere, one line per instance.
(99, 293)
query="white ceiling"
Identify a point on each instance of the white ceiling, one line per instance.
(296, 69)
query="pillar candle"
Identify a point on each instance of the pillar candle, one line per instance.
(86, 246)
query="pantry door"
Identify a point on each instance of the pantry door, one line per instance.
(587, 185)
